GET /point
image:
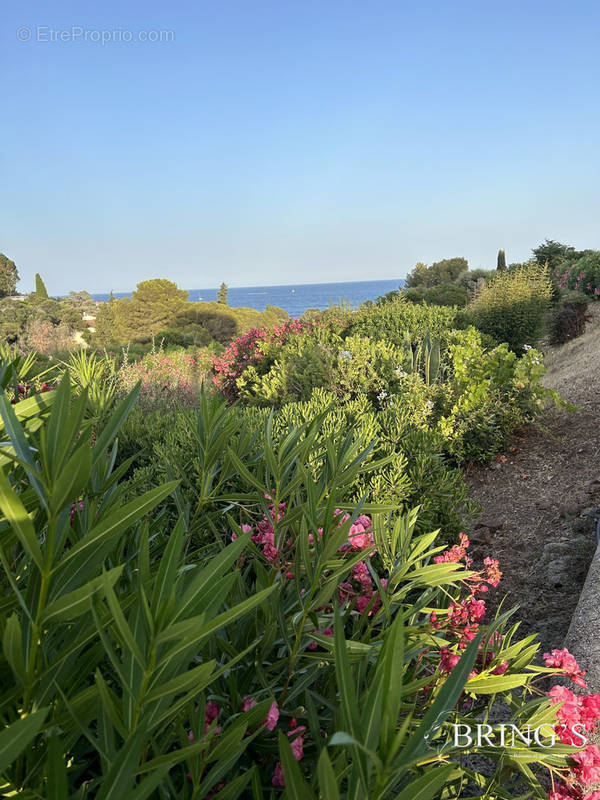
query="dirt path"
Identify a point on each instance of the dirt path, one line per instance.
(542, 502)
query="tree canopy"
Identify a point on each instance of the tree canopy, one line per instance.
(9, 275)
(445, 271)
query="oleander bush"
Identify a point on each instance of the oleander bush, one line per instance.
(317, 648)
(168, 380)
(582, 275)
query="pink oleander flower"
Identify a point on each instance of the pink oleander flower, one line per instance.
(278, 779)
(272, 717)
(565, 661)
(456, 553)
(448, 660)
(569, 713)
(564, 792)
(493, 574)
(587, 769)
(248, 702)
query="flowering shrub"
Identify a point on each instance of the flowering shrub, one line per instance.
(320, 648)
(250, 350)
(583, 275)
(168, 380)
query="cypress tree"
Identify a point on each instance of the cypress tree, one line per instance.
(501, 261)
(222, 294)
(40, 288)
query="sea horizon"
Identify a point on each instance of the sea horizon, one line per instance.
(295, 298)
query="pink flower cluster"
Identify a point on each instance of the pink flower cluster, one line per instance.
(248, 350)
(464, 615)
(167, 379)
(295, 734)
(582, 710)
(566, 663)
(361, 590)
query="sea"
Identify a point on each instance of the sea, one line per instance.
(295, 299)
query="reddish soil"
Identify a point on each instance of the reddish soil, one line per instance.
(541, 500)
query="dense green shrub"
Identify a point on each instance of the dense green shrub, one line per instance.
(319, 645)
(389, 322)
(568, 320)
(512, 306)
(444, 294)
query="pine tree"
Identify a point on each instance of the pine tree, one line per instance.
(9, 276)
(222, 294)
(501, 261)
(40, 288)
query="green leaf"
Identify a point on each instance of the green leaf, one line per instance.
(128, 641)
(345, 683)
(113, 425)
(149, 784)
(12, 645)
(72, 605)
(492, 684)
(15, 737)
(112, 525)
(328, 787)
(117, 783)
(58, 421)
(194, 634)
(392, 660)
(72, 477)
(427, 786)
(57, 787)
(296, 788)
(165, 577)
(198, 677)
(204, 582)
(443, 704)
(14, 511)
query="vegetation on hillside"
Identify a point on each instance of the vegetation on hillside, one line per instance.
(233, 565)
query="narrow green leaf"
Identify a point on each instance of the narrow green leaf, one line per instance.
(127, 639)
(72, 605)
(72, 477)
(165, 577)
(113, 425)
(12, 645)
(427, 786)
(182, 683)
(442, 705)
(328, 788)
(117, 783)
(14, 511)
(57, 787)
(296, 788)
(15, 737)
(115, 523)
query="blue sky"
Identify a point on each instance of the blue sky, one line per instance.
(293, 142)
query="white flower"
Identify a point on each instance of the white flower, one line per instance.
(526, 347)
(429, 405)
(345, 354)
(399, 372)
(382, 395)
